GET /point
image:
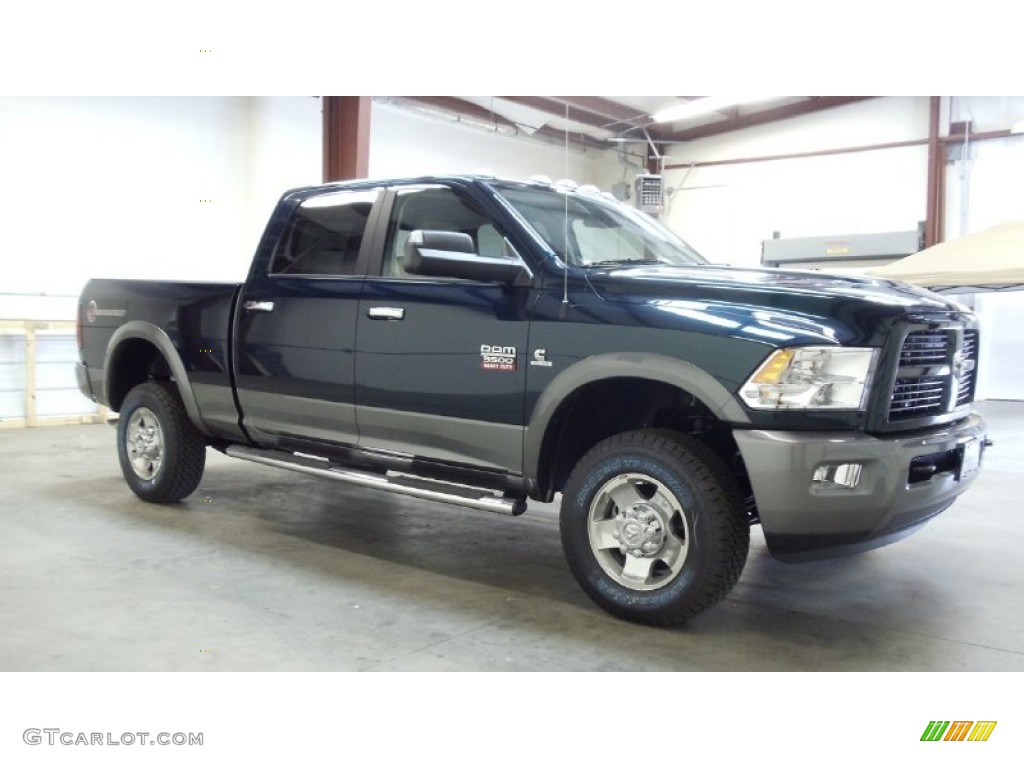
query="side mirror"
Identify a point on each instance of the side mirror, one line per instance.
(451, 254)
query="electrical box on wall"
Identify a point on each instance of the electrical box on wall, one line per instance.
(649, 193)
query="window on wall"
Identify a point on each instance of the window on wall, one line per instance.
(325, 235)
(437, 208)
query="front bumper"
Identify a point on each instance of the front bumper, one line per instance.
(904, 481)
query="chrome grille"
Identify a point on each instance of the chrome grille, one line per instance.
(925, 348)
(965, 386)
(933, 372)
(917, 396)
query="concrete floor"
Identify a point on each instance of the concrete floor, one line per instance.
(264, 569)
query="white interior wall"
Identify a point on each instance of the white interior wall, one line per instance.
(116, 187)
(1000, 355)
(725, 211)
(983, 188)
(404, 143)
(983, 177)
(103, 187)
(286, 151)
(96, 187)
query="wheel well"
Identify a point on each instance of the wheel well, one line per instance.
(135, 362)
(604, 408)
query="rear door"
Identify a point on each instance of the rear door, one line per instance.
(441, 362)
(296, 331)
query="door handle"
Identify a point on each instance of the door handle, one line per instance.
(386, 313)
(259, 306)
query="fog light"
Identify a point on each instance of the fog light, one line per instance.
(845, 475)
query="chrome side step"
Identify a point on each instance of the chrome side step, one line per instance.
(420, 488)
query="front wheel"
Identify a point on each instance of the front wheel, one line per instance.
(654, 527)
(162, 454)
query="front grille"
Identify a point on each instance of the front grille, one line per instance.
(965, 385)
(917, 397)
(934, 364)
(925, 348)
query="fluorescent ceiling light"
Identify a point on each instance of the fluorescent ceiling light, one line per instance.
(704, 106)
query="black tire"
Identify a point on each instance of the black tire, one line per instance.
(162, 454)
(674, 541)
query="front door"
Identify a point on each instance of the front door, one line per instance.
(441, 363)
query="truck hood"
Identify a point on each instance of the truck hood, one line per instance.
(815, 305)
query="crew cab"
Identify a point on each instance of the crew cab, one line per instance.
(486, 342)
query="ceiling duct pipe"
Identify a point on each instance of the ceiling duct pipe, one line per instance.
(450, 115)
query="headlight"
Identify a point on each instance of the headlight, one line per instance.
(812, 378)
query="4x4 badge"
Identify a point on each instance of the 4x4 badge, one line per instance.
(540, 357)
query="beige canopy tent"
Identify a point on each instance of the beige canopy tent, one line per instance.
(992, 259)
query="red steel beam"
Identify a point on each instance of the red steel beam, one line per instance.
(346, 137)
(814, 104)
(936, 177)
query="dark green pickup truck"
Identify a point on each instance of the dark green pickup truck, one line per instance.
(484, 342)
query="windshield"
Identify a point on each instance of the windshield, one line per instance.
(586, 230)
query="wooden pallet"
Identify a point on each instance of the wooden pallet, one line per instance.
(31, 330)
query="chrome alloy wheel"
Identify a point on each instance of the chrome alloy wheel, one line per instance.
(638, 531)
(144, 441)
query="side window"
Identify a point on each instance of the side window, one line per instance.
(325, 235)
(436, 208)
(489, 242)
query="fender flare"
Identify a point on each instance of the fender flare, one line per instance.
(139, 329)
(633, 365)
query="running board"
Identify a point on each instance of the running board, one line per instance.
(431, 490)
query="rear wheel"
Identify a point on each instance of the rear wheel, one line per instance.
(162, 454)
(654, 527)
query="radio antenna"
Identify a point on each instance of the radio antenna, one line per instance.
(565, 220)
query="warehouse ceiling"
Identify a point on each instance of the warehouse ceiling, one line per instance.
(598, 122)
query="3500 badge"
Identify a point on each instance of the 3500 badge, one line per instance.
(493, 358)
